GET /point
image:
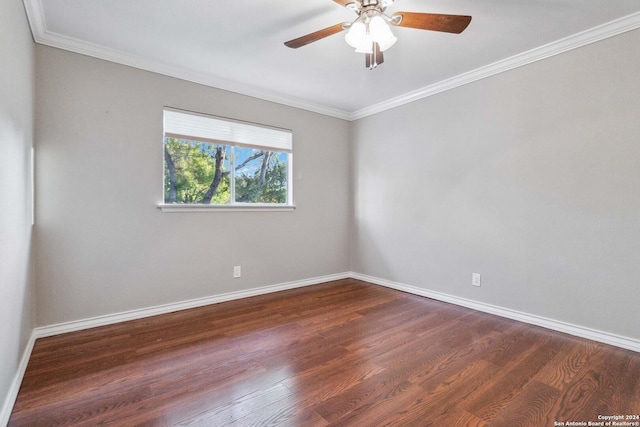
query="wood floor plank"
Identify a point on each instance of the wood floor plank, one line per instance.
(573, 355)
(342, 353)
(617, 381)
(450, 416)
(453, 361)
(244, 407)
(436, 401)
(377, 410)
(577, 396)
(512, 379)
(332, 378)
(354, 402)
(180, 404)
(529, 407)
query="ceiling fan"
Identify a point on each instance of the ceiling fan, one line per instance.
(370, 32)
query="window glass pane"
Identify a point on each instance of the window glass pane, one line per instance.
(260, 175)
(196, 172)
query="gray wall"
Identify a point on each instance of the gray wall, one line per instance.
(16, 136)
(104, 247)
(530, 177)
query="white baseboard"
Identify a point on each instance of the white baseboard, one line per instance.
(556, 325)
(109, 319)
(10, 399)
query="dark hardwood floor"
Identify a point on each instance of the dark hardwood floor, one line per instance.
(340, 353)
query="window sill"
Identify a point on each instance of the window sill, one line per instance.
(222, 208)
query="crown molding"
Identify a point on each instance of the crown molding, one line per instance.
(42, 36)
(610, 29)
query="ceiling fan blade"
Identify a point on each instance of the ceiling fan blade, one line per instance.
(433, 21)
(315, 36)
(343, 2)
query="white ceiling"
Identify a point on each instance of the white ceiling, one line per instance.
(238, 44)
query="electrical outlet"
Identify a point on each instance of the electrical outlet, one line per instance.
(475, 279)
(237, 271)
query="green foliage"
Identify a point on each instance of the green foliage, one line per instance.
(274, 190)
(195, 167)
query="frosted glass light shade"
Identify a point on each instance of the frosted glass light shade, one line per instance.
(357, 35)
(381, 33)
(366, 47)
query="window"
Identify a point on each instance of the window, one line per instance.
(216, 162)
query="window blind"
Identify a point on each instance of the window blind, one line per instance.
(201, 127)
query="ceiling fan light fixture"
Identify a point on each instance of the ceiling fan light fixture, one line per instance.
(355, 6)
(365, 47)
(357, 35)
(381, 33)
(364, 32)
